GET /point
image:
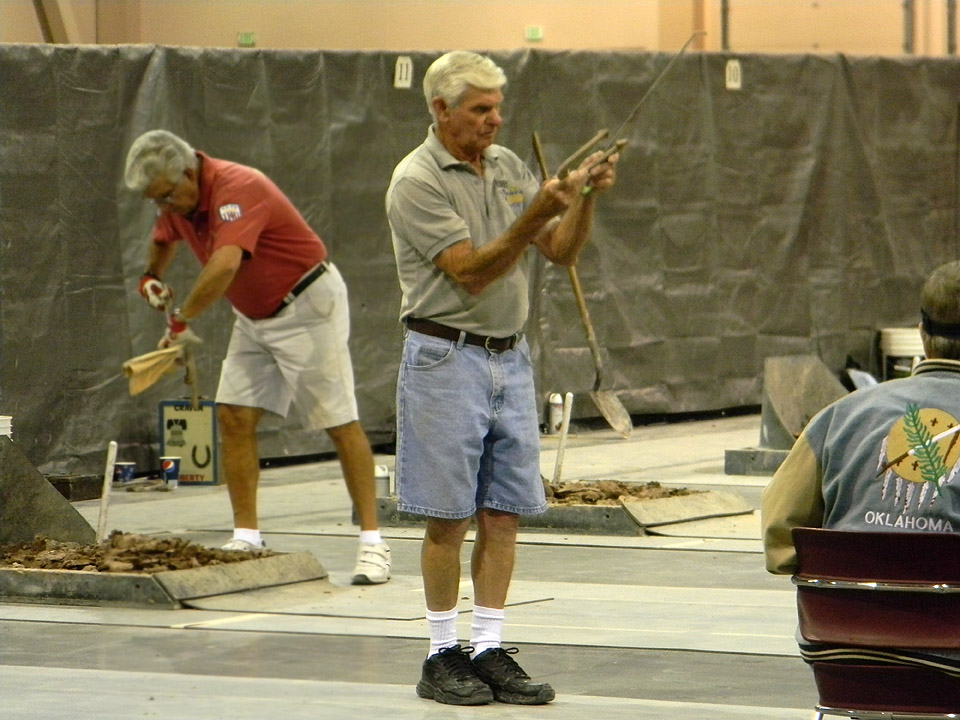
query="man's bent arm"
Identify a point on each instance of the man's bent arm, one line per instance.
(793, 498)
(474, 268)
(562, 243)
(213, 281)
(159, 256)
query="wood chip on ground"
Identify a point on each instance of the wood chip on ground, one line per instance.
(607, 492)
(122, 552)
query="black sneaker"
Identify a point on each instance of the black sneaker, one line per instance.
(510, 684)
(449, 677)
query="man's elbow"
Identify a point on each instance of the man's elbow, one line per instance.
(565, 261)
(566, 258)
(782, 566)
(780, 555)
(473, 283)
(473, 286)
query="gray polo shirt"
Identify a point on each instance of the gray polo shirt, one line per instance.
(435, 201)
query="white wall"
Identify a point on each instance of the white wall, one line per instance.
(404, 24)
(857, 27)
(19, 24)
(767, 26)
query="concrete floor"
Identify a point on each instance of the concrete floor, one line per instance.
(684, 624)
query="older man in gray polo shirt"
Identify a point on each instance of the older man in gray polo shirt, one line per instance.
(463, 213)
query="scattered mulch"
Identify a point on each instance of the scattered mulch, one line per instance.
(126, 552)
(607, 492)
(121, 552)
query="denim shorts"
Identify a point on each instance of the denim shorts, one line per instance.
(467, 430)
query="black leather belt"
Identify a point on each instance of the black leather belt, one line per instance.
(301, 285)
(435, 329)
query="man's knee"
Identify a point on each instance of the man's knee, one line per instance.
(497, 524)
(349, 435)
(237, 420)
(441, 531)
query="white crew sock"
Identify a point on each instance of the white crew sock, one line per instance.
(443, 629)
(249, 534)
(486, 629)
(370, 537)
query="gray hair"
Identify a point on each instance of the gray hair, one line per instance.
(155, 154)
(940, 301)
(451, 75)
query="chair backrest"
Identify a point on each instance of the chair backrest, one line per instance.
(883, 556)
(877, 610)
(878, 589)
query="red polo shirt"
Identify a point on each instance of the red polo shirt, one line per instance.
(241, 206)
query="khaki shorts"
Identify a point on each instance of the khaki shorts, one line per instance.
(300, 357)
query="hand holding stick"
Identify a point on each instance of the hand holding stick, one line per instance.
(578, 156)
(567, 165)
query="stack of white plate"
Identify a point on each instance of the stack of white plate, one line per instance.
(902, 349)
(901, 342)
(6, 425)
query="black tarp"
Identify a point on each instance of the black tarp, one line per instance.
(796, 215)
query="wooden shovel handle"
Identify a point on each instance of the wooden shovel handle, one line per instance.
(538, 151)
(585, 317)
(572, 270)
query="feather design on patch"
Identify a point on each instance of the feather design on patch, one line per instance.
(231, 212)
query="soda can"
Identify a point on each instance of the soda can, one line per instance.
(555, 414)
(123, 472)
(170, 466)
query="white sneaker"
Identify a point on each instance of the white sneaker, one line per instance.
(373, 564)
(243, 545)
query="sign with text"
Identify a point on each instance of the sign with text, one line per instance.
(192, 436)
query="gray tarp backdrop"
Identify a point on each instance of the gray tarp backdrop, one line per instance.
(796, 215)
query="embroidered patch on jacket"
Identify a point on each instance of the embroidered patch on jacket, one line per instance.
(231, 212)
(918, 457)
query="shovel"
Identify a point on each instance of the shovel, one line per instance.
(606, 401)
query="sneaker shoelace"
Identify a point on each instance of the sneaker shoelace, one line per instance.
(504, 665)
(455, 661)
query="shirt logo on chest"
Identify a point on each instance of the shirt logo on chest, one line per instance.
(513, 194)
(231, 212)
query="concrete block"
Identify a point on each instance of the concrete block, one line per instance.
(588, 519)
(753, 461)
(168, 590)
(685, 508)
(77, 487)
(76, 587)
(795, 388)
(240, 576)
(31, 506)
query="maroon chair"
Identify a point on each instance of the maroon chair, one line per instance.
(876, 612)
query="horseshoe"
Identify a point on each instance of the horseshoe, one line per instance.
(196, 462)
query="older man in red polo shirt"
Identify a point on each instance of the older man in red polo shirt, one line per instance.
(289, 339)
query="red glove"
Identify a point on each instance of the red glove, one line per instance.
(156, 292)
(178, 332)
